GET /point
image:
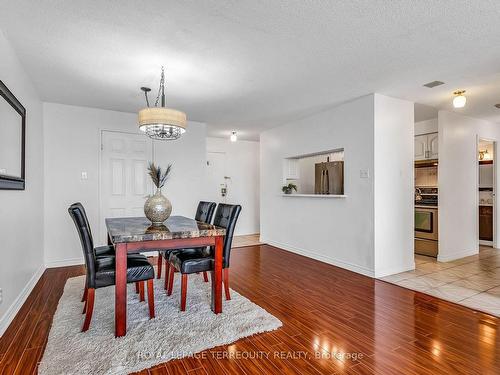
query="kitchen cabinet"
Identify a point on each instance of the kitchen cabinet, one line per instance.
(420, 147)
(426, 146)
(486, 223)
(486, 175)
(433, 147)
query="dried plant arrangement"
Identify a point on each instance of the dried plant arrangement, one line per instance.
(158, 175)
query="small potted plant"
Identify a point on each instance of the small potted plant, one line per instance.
(157, 207)
(287, 189)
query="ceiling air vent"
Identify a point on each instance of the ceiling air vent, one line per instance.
(433, 84)
(497, 105)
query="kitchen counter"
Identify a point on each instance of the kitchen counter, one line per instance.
(485, 204)
(425, 206)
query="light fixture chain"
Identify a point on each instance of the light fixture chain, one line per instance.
(161, 89)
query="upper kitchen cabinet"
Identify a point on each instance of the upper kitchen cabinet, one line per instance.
(426, 146)
(432, 142)
(420, 147)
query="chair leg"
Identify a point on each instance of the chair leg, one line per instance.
(167, 274)
(205, 276)
(141, 291)
(159, 265)
(84, 297)
(90, 309)
(170, 280)
(151, 299)
(183, 291)
(226, 283)
(137, 287)
(84, 306)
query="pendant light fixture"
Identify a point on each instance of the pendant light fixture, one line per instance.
(233, 137)
(459, 100)
(160, 122)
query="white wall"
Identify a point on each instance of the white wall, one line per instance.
(72, 143)
(394, 190)
(335, 230)
(21, 212)
(371, 230)
(458, 183)
(242, 165)
(426, 127)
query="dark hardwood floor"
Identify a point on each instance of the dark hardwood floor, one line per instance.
(372, 326)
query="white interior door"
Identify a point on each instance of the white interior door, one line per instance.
(124, 183)
(216, 173)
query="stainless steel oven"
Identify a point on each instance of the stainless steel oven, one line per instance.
(426, 221)
(426, 231)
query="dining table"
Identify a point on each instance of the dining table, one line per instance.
(137, 234)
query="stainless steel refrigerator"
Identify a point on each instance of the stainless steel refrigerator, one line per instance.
(329, 178)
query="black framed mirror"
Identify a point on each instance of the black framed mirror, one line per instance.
(12, 141)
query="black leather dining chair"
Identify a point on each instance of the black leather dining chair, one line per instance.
(104, 251)
(204, 213)
(189, 261)
(100, 270)
(100, 250)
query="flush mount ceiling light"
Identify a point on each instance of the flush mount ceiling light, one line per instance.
(459, 100)
(160, 122)
(233, 137)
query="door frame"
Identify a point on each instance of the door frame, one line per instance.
(99, 169)
(495, 162)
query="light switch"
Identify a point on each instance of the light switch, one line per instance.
(364, 173)
(84, 175)
(3, 171)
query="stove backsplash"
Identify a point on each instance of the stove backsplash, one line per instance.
(426, 176)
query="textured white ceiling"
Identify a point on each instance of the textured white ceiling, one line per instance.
(250, 65)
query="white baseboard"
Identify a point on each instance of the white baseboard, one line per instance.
(454, 256)
(64, 262)
(19, 301)
(326, 259)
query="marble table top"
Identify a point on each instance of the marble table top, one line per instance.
(136, 229)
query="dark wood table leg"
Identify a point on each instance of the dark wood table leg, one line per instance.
(121, 290)
(217, 276)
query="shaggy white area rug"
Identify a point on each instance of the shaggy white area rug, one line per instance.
(172, 334)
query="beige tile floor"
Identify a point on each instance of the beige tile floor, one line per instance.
(472, 281)
(247, 240)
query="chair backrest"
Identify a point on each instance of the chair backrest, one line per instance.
(77, 213)
(80, 206)
(205, 211)
(226, 217)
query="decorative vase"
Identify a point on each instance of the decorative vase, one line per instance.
(157, 208)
